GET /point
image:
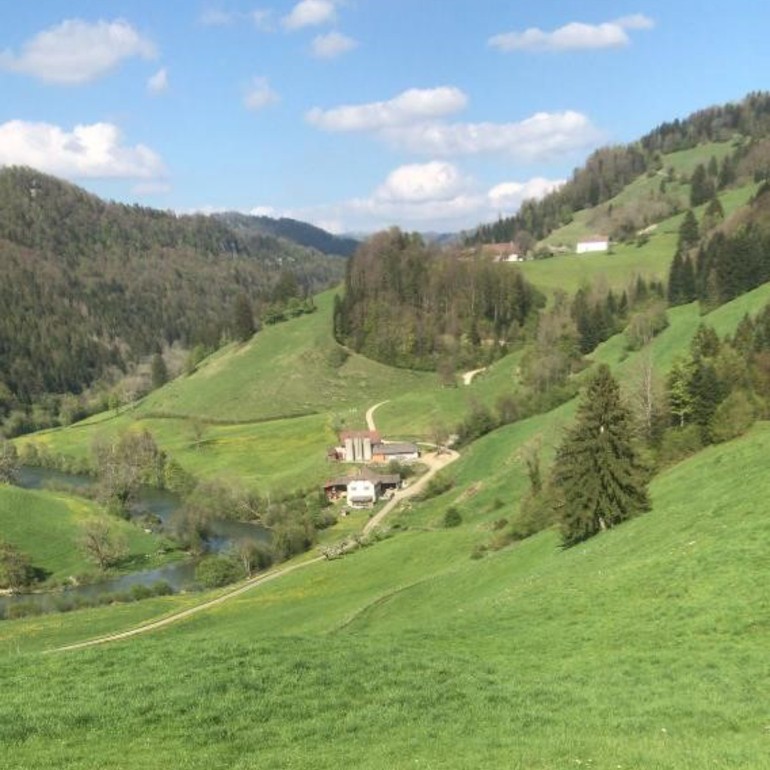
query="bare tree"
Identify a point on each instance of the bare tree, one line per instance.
(646, 394)
(102, 543)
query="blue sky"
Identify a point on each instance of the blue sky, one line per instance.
(356, 114)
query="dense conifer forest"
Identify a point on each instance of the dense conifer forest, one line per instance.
(89, 286)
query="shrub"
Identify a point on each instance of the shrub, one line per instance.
(452, 517)
(216, 571)
(437, 486)
(679, 443)
(733, 417)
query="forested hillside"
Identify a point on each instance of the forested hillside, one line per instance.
(413, 305)
(89, 285)
(608, 170)
(299, 232)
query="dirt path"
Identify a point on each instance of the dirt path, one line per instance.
(370, 416)
(468, 376)
(177, 616)
(435, 463)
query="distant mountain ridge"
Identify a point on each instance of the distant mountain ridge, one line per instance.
(294, 230)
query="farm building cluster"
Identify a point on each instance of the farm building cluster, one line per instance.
(365, 486)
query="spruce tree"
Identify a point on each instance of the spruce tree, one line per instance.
(243, 319)
(597, 476)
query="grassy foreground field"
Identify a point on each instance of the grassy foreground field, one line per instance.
(644, 648)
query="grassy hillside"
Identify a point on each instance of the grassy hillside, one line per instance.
(46, 526)
(645, 647)
(619, 267)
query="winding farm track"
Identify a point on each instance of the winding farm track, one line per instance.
(370, 416)
(435, 461)
(177, 616)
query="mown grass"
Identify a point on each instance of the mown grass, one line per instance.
(46, 527)
(293, 368)
(645, 647)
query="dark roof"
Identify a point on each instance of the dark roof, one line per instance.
(364, 475)
(395, 448)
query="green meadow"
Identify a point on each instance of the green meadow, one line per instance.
(645, 647)
(46, 526)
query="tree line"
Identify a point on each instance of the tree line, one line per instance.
(410, 304)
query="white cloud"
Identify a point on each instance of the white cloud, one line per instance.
(77, 51)
(573, 36)
(506, 197)
(430, 196)
(216, 17)
(265, 211)
(542, 136)
(259, 94)
(88, 151)
(158, 83)
(417, 183)
(409, 106)
(310, 13)
(332, 45)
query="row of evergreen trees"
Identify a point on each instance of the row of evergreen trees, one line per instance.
(715, 266)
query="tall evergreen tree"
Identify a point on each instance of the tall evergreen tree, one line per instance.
(243, 319)
(158, 371)
(597, 476)
(688, 232)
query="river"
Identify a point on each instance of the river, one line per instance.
(180, 576)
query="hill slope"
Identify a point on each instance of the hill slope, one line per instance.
(301, 233)
(645, 647)
(90, 285)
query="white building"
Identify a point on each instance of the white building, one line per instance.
(593, 244)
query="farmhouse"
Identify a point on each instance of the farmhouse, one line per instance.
(595, 243)
(361, 489)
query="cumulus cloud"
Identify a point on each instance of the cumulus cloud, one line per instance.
(310, 13)
(259, 94)
(413, 105)
(508, 196)
(573, 36)
(158, 83)
(332, 45)
(429, 196)
(420, 182)
(77, 51)
(88, 151)
(543, 135)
